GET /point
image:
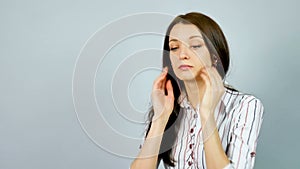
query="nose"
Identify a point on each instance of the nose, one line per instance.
(183, 52)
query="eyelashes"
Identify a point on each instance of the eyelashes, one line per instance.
(193, 47)
(174, 48)
(196, 46)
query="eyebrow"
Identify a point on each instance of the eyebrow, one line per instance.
(195, 36)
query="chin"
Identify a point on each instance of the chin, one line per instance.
(186, 76)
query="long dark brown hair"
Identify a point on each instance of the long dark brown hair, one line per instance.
(217, 46)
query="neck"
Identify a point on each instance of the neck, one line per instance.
(194, 90)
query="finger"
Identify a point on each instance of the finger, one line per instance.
(157, 84)
(169, 88)
(163, 82)
(212, 77)
(217, 78)
(205, 76)
(217, 74)
(218, 83)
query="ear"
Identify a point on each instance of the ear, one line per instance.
(214, 60)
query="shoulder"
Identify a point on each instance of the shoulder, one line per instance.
(237, 102)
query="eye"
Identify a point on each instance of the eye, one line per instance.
(173, 48)
(196, 46)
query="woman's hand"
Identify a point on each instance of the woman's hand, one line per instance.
(162, 104)
(213, 92)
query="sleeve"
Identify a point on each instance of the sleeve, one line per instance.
(246, 124)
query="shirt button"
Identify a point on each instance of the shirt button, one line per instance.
(195, 115)
(192, 130)
(191, 146)
(190, 163)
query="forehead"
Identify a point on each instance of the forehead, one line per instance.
(184, 31)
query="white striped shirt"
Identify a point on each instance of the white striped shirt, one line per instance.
(238, 117)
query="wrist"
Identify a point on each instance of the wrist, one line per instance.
(206, 115)
(160, 122)
(157, 129)
(161, 118)
(208, 124)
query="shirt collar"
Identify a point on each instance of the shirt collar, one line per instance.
(184, 102)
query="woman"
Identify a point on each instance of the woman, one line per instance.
(196, 120)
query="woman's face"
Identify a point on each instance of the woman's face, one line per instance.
(188, 52)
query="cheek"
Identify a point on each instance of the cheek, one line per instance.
(174, 64)
(204, 58)
(173, 60)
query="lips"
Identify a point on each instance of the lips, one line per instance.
(185, 67)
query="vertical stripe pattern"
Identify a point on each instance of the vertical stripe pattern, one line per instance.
(238, 117)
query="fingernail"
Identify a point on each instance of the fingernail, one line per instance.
(165, 70)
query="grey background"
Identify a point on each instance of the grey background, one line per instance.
(41, 40)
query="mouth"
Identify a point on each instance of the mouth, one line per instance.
(185, 67)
